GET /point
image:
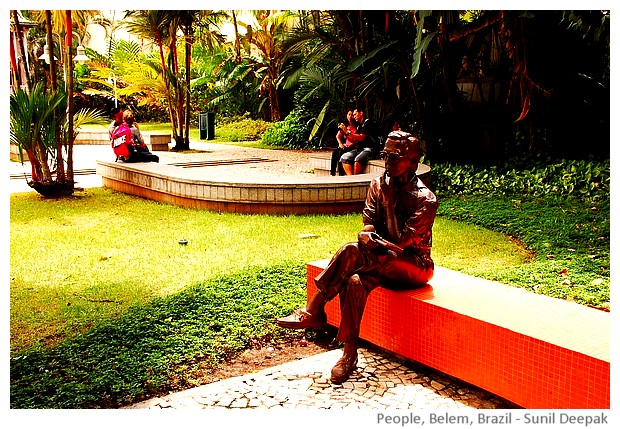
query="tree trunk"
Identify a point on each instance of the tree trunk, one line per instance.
(176, 105)
(54, 87)
(50, 44)
(167, 83)
(188, 61)
(14, 67)
(237, 41)
(69, 30)
(19, 39)
(272, 92)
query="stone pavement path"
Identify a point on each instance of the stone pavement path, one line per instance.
(380, 382)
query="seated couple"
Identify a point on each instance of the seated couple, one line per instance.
(126, 139)
(355, 145)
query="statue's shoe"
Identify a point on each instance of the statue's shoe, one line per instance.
(343, 369)
(301, 319)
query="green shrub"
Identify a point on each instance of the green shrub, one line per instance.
(579, 178)
(569, 239)
(292, 132)
(237, 129)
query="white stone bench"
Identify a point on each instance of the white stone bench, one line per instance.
(156, 141)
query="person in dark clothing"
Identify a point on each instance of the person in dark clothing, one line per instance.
(344, 144)
(393, 249)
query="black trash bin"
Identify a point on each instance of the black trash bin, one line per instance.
(202, 124)
(210, 125)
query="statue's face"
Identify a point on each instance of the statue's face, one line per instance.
(399, 160)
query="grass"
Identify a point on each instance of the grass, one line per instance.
(569, 240)
(158, 346)
(107, 308)
(81, 260)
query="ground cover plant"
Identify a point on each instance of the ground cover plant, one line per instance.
(157, 346)
(560, 211)
(568, 240)
(107, 307)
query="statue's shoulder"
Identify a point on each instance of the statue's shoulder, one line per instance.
(423, 192)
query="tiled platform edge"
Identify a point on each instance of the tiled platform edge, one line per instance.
(535, 351)
(185, 187)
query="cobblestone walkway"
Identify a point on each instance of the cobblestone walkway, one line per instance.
(380, 382)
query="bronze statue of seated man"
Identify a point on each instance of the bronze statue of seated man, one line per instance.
(393, 250)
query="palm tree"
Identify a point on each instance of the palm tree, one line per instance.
(161, 27)
(59, 24)
(268, 39)
(395, 62)
(43, 120)
(154, 25)
(340, 59)
(19, 69)
(34, 128)
(524, 57)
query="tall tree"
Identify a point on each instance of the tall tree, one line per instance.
(528, 59)
(163, 27)
(154, 25)
(19, 67)
(268, 39)
(43, 120)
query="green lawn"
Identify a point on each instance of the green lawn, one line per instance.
(107, 308)
(78, 261)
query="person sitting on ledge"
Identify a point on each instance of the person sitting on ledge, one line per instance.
(125, 147)
(393, 250)
(354, 160)
(344, 144)
(142, 149)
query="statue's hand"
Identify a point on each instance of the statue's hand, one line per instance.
(367, 240)
(386, 256)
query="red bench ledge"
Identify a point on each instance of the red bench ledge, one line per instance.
(533, 350)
